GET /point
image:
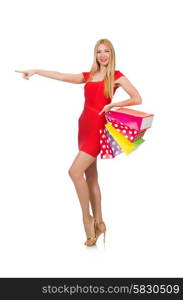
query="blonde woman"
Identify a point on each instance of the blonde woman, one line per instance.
(101, 83)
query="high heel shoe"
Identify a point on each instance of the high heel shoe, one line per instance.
(97, 228)
(91, 240)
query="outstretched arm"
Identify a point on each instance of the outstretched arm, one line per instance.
(72, 78)
(67, 77)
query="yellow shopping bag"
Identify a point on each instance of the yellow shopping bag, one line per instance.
(126, 146)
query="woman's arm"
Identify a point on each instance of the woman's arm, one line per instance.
(130, 89)
(72, 78)
(135, 97)
(128, 102)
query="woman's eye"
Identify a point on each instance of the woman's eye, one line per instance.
(105, 51)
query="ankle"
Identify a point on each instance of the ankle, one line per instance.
(87, 219)
(101, 225)
(99, 220)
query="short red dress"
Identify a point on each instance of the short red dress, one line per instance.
(90, 122)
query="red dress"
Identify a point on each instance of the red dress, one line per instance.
(90, 122)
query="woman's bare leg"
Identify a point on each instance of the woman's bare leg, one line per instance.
(76, 172)
(91, 175)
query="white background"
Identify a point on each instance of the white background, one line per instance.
(42, 234)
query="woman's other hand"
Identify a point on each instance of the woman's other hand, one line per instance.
(105, 109)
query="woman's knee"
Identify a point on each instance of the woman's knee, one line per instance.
(74, 173)
(82, 162)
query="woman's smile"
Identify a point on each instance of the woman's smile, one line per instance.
(103, 60)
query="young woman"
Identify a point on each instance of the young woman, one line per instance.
(101, 83)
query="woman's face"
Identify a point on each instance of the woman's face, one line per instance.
(103, 55)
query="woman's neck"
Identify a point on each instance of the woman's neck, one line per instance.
(103, 69)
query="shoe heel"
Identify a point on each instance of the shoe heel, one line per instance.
(104, 237)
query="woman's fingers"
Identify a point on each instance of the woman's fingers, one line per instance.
(25, 72)
(100, 112)
(105, 109)
(25, 75)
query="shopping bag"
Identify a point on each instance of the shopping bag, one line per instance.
(124, 131)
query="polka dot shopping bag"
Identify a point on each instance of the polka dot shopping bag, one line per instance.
(123, 132)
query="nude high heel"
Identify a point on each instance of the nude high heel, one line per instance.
(97, 228)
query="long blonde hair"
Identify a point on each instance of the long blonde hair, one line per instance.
(109, 77)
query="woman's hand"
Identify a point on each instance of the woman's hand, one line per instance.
(105, 109)
(27, 73)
